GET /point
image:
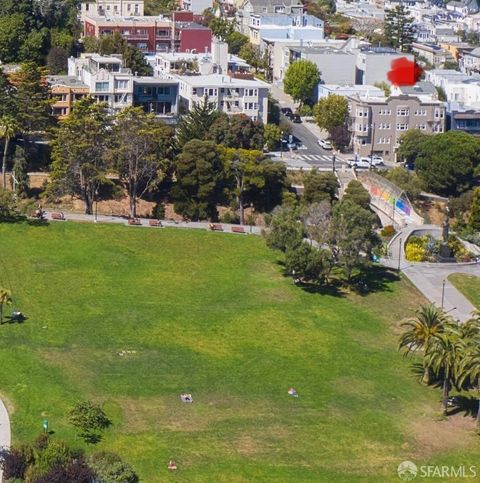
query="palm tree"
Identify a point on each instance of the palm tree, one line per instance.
(8, 129)
(5, 299)
(429, 322)
(443, 355)
(470, 369)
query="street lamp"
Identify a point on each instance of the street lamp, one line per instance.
(372, 144)
(333, 163)
(399, 253)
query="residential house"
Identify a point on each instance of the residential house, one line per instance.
(256, 7)
(232, 95)
(153, 34)
(65, 90)
(326, 90)
(280, 26)
(463, 118)
(377, 124)
(111, 8)
(433, 54)
(159, 96)
(470, 61)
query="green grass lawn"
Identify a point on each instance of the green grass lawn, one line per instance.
(211, 314)
(469, 285)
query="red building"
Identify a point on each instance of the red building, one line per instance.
(153, 34)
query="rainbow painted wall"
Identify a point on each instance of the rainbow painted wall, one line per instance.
(400, 204)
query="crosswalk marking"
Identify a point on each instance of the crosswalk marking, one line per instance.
(314, 157)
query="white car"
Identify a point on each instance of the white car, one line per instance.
(377, 161)
(361, 163)
(325, 144)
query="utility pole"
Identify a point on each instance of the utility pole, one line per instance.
(333, 163)
(281, 144)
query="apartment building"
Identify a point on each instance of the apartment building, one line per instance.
(272, 26)
(65, 90)
(158, 96)
(111, 8)
(470, 61)
(248, 8)
(458, 87)
(153, 34)
(433, 54)
(377, 124)
(232, 95)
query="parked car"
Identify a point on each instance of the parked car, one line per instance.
(360, 163)
(296, 118)
(325, 144)
(289, 144)
(286, 111)
(377, 161)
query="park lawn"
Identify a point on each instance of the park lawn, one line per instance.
(469, 285)
(211, 314)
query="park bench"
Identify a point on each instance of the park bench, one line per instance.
(134, 221)
(216, 227)
(238, 229)
(58, 216)
(155, 223)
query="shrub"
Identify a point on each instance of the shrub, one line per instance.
(388, 231)
(158, 212)
(305, 110)
(230, 217)
(415, 253)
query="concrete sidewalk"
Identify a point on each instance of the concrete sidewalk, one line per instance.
(5, 435)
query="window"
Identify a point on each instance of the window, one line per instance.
(403, 111)
(121, 84)
(142, 45)
(421, 112)
(212, 92)
(385, 112)
(251, 92)
(101, 87)
(129, 7)
(194, 91)
(438, 114)
(402, 127)
(162, 33)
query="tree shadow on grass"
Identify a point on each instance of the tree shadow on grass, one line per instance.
(374, 279)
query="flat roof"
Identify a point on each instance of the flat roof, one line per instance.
(220, 80)
(65, 80)
(153, 80)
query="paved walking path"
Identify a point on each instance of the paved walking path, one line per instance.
(254, 230)
(4, 430)
(432, 278)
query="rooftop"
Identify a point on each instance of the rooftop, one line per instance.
(219, 80)
(154, 80)
(65, 80)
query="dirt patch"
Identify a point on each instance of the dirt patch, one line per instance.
(433, 436)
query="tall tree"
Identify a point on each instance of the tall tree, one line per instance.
(79, 152)
(246, 168)
(399, 28)
(237, 131)
(447, 162)
(352, 237)
(200, 180)
(20, 174)
(284, 229)
(443, 355)
(429, 322)
(410, 145)
(8, 130)
(301, 80)
(197, 123)
(139, 153)
(331, 112)
(7, 95)
(32, 100)
(309, 264)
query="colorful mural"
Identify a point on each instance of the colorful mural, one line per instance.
(400, 204)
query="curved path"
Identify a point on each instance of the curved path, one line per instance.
(432, 278)
(4, 430)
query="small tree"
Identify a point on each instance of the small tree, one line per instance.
(271, 136)
(301, 79)
(89, 418)
(308, 263)
(5, 299)
(331, 112)
(284, 229)
(318, 186)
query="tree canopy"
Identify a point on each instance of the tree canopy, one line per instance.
(331, 112)
(301, 80)
(399, 28)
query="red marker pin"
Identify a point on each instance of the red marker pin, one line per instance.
(404, 72)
